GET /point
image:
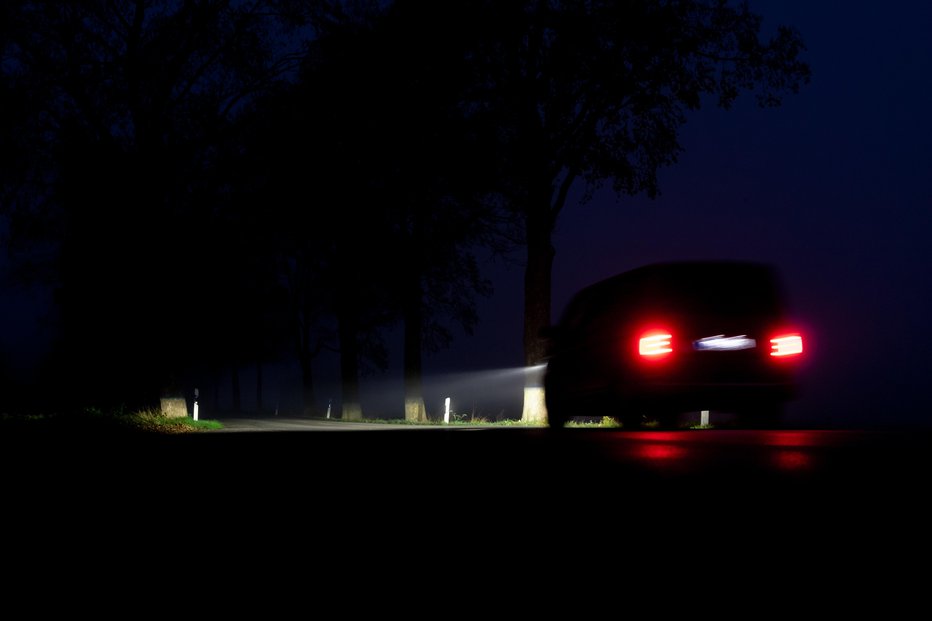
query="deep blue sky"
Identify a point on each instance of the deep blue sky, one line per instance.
(833, 187)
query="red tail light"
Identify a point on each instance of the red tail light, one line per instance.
(655, 344)
(784, 345)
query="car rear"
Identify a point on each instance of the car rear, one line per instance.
(682, 337)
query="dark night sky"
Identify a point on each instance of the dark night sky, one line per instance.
(832, 187)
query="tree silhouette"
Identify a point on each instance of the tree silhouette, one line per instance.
(589, 93)
(390, 171)
(195, 183)
(435, 180)
(133, 101)
(330, 229)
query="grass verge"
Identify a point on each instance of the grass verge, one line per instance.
(95, 420)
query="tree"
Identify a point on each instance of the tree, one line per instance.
(312, 153)
(595, 92)
(435, 181)
(133, 101)
(385, 158)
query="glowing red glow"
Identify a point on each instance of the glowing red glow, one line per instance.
(792, 460)
(655, 343)
(786, 345)
(661, 451)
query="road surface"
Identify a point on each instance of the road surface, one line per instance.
(790, 509)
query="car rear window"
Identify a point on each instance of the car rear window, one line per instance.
(698, 288)
(711, 289)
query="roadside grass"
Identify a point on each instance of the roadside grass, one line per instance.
(456, 420)
(153, 421)
(605, 421)
(96, 420)
(472, 421)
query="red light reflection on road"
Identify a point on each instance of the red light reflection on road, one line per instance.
(659, 447)
(792, 460)
(783, 451)
(789, 453)
(791, 438)
(658, 451)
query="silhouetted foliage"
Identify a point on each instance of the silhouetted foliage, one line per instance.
(378, 167)
(316, 172)
(132, 103)
(595, 92)
(436, 182)
(329, 220)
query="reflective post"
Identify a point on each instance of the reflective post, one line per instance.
(446, 410)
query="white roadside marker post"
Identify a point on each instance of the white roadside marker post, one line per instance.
(704, 418)
(446, 410)
(195, 403)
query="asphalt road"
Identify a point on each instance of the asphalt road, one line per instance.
(328, 453)
(856, 462)
(282, 423)
(265, 498)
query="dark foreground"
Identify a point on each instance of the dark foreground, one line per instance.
(218, 478)
(735, 504)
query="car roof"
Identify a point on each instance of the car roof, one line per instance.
(679, 270)
(700, 278)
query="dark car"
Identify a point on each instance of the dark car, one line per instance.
(666, 339)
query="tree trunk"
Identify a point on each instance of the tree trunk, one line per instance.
(415, 410)
(307, 385)
(237, 396)
(349, 365)
(537, 285)
(306, 358)
(259, 386)
(215, 376)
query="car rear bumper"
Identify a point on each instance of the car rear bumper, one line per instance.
(721, 396)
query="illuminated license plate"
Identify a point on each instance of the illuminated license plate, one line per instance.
(720, 342)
